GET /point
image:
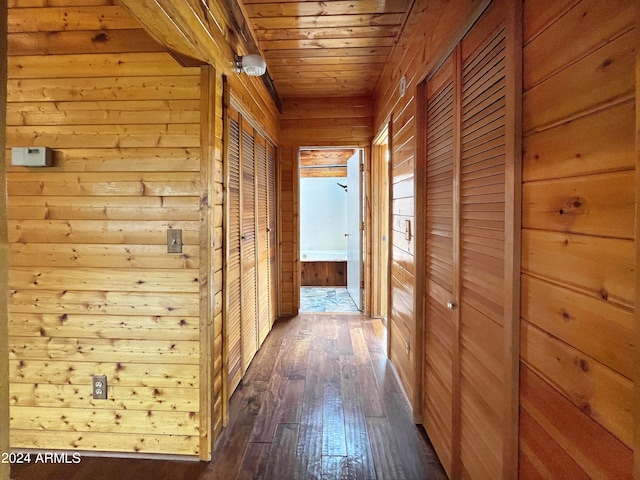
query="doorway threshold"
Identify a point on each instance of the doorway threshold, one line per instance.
(326, 299)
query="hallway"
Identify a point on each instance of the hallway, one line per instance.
(319, 401)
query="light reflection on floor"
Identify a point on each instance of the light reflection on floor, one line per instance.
(326, 299)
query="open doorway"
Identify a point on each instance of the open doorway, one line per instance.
(331, 229)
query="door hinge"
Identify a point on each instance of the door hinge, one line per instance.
(362, 226)
(362, 284)
(362, 168)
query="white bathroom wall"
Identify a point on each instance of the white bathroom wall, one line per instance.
(323, 217)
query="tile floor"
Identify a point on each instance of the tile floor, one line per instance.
(326, 299)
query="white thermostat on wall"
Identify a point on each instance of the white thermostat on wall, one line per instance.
(32, 156)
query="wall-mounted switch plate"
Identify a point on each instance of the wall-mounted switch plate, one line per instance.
(174, 240)
(100, 387)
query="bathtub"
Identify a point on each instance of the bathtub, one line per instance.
(323, 256)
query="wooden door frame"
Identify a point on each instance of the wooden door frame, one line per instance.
(207, 146)
(379, 173)
(636, 376)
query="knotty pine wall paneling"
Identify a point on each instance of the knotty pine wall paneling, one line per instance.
(430, 33)
(4, 265)
(288, 214)
(133, 128)
(311, 122)
(92, 288)
(319, 274)
(204, 32)
(579, 273)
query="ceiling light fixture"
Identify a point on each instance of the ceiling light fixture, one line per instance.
(253, 65)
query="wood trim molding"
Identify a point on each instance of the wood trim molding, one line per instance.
(420, 176)
(456, 409)
(390, 133)
(189, 30)
(513, 244)
(226, 104)
(207, 142)
(636, 373)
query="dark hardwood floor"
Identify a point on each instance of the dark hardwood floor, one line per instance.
(319, 401)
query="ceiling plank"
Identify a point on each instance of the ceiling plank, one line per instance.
(333, 48)
(371, 19)
(330, 43)
(322, 61)
(284, 70)
(321, 76)
(328, 32)
(314, 158)
(338, 7)
(329, 52)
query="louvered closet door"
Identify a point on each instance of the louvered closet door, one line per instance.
(466, 401)
(249, 271)
(439, 287)
(233, 267)
(482, 257)
(262, 221)
(273, 227)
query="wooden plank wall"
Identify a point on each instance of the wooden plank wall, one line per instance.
(415, 55)
(323, 274)
(578, 276)
(4, 269)
(318, 122)
(92, 288)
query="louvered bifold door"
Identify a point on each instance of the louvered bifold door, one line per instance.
(248, 252)
(233, 304)
(262, 223)
(439, 329)
(482, 253)
(273, 228)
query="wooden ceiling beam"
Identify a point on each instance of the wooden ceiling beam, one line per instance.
(190, 29)
(161, 27)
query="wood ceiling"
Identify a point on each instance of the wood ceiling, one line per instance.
(325, 49)
(324, 162)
